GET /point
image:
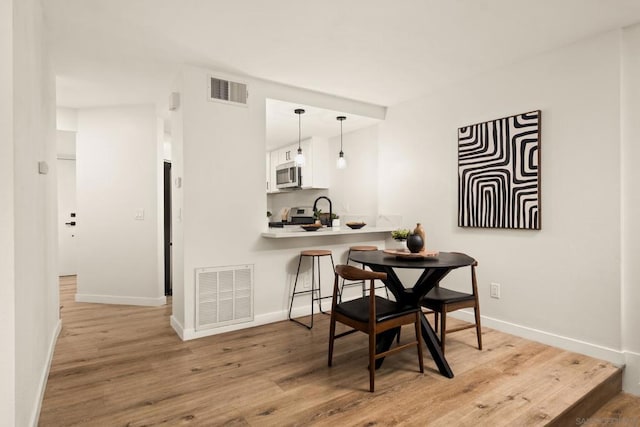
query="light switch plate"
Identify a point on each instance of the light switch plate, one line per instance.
(43, 168)
(495, 290)
(140, 214)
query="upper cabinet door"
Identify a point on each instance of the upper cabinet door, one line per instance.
(315, 172)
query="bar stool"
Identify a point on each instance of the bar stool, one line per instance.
(360, 282)
(313, 253)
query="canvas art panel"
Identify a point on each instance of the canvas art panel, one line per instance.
(499, 173)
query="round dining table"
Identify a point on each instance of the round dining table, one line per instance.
(434, 269)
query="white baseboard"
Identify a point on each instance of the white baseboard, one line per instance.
(112, 299)
(177, 326)
(631, 377)
(263, 319)
(42, 385)
(589, 349)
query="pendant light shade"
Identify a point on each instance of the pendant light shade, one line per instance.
(299, 157)
(341, 163)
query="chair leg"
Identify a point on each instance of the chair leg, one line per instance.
(435, 320)
(443, 328)
(476, 311)
(372, 360)
(332, 335)
(419, 339)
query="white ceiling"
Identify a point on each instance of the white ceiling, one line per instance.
(382, 52)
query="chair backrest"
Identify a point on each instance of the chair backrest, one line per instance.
(474, 282)
(350, 272)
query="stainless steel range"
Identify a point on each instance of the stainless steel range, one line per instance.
(296, 216)
(300, 215)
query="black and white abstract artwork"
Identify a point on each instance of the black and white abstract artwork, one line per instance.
(499, 173)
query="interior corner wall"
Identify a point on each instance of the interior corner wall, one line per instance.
(560, 284)
(220, 153)
(117, 152)
(630, 174)
(7, 278)
(36, 286)
(177, 248)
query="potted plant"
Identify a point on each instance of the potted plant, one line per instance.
(400, 236)
(317, 215)
(335, 220)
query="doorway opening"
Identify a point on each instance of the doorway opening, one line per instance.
(168, 285)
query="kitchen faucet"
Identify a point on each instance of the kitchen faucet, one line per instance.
(330, 208)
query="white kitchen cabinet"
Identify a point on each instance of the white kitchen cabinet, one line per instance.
(315, 172)
(287, 154)
(268, 170)
(316, 169)
(277, 157)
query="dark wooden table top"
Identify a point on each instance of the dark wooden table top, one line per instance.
(443, 260)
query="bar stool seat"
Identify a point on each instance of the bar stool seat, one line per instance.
(315, 252)
(315, 291)
(363, 248)
(360, 248)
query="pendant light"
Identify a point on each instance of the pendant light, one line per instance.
(341, 163)
(299, 157)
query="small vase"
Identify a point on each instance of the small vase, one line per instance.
(419, 230)
(415, 243)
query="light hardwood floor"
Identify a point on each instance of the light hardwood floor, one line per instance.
(124, 366)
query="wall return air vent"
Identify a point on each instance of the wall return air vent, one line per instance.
(226, 91)
(224, 296)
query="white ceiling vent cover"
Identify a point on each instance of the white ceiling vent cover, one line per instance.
(224, 296)
(227, 91)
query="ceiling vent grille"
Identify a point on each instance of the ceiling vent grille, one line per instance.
(227, 91)
(224, 296)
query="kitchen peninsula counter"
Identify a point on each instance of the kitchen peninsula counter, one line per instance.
(286, 233)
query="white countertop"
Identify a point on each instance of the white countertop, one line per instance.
(297, 231)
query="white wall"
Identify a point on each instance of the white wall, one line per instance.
(117, 176)
(354, 190)
(630, 91)
(177, 233)
(66, 119)
(7, 277)
(36, 287)
(220, 153)
(560, 284)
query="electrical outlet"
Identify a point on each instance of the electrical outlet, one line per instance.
(495, 290)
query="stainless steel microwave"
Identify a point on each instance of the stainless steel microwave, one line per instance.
(288, 175)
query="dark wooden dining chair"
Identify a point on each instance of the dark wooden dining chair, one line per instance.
(441, 301)
(372, 315)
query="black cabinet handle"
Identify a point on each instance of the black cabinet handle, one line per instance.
(72, 223)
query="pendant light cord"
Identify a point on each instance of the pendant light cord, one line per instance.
(299, 132)
(341, 135)
(299, 112)
(341, 119)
